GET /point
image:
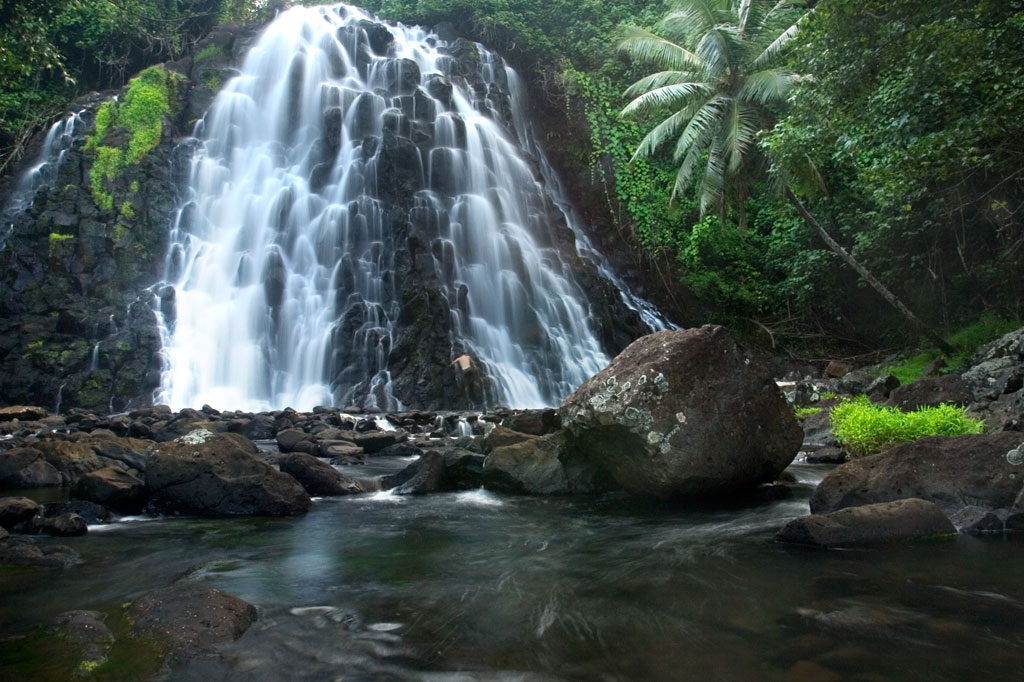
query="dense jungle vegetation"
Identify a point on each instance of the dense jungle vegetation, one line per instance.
(898, 126)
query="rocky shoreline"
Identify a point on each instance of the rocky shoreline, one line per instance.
(207, 462)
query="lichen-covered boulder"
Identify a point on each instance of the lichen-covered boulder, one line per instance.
(219, 475)
(683, 414)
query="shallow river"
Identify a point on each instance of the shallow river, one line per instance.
(480, 586)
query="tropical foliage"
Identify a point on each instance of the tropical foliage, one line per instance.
(721, 81)
(865, 429)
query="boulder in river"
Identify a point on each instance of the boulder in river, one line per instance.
(872, 523)
(317, 476)
(112, 487)
(683, 414)
(191, 618)
(219, 475)
(981, 470)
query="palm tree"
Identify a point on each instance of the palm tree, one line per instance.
(721, 82)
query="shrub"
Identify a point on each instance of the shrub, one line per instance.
(864, 429)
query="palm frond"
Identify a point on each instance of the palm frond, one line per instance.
(665, 130)
(704, 119)
(740, 134)
(692, 18)
(645, 46)
(678, 95)
(743, 13)
(712, 186)
(770, 86)
(774, 50)
(659, 80)
(718, 49)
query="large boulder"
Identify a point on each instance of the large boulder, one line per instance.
(112, 487)
(15, 510)
(983, 470)
(191, 618)
(219, 475)
(27, 468)
(931, 392)
(683, 414)
(317, 476)
(872, 523)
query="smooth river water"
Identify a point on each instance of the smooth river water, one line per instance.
(480, 586)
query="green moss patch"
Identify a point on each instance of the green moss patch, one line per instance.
(146, 101)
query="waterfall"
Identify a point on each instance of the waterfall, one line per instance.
(43, 173)
(345, 160)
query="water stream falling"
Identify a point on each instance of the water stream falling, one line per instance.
(43, 173)
(341, 147)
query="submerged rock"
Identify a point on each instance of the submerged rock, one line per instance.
(20, 551)
(683, 414)
(191, 618)
(873, 523)
(219, 475)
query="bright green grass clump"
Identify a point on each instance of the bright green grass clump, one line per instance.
(864, 429)
(802, 412)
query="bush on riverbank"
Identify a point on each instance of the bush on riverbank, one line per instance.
(862, 428)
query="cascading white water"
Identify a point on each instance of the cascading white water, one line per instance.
(43, 173)
(283, 261)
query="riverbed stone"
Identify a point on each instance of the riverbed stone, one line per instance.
(869, 524)
(63, 525)
(27, 468)
(15, 510)
(22, 551)
(983, 470)
(112, 487)
(88, 631)
(219, 475)
(425, 475)
(191, 618)
(90, 511)
(532, 465)
(931, 392)
(23, 413)
(682, 414)
(317, 476)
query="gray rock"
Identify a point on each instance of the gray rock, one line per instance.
(826, 455)
(22, 413)
(64, 525)
(375, 441)
(218, 475)
(874, 523)
(27, 468)
(463, 468)
(931, 392)
(86, 629)
(953, 472)
(425, 475)
(289, 438)
(15, 510)
(880, 388)
(112, 487)
(191, 618)
(532, 465)
(24, 552)
(683, 414)
(90, 511)
(318, 477)
(975, 519)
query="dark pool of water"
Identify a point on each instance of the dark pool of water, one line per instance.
(479, 586)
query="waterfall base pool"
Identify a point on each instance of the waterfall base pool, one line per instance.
(480, 586)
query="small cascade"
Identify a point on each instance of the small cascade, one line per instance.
(58, 140)
(350, 171)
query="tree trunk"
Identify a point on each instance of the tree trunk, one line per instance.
(868, 277)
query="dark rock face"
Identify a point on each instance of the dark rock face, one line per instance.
(24, 552)
(984, 471)
(681, 414)
(191, 618)
(949, 389)
(532, 465)
(15, 510)
(217, 475)
(316, 476)
(425, 475)
(63, 525)
(874, 523)
(112, 487)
